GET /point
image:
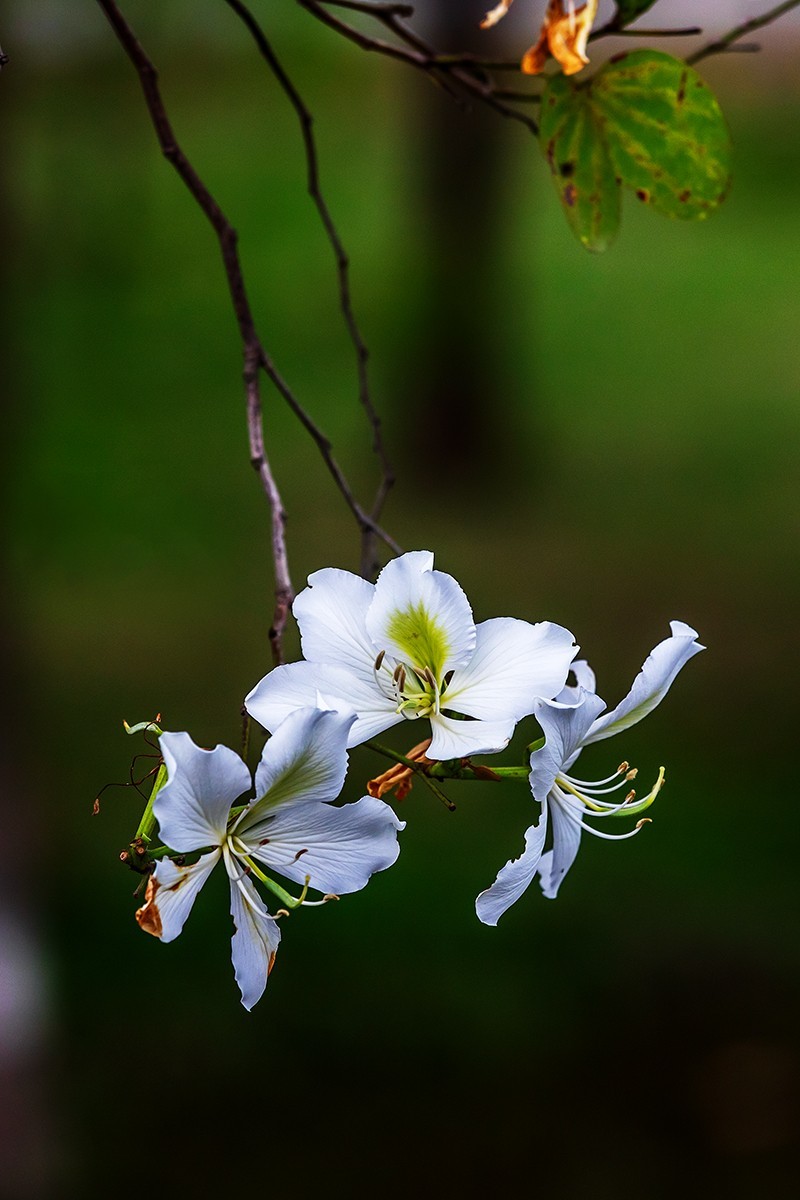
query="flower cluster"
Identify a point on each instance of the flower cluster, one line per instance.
(405, 648)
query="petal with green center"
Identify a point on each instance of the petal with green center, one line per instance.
(305, 760)
(171, 892)
(337, 849)
(652, 683)
(421, 616)
(254, 943)
(192, 807)
(515, 877)
(514, 665)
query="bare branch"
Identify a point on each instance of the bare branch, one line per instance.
(726, 43)
(254, 356)
(368, 555)
(470, 74)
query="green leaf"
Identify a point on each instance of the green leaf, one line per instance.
(582, 170)
(665, 132)
(629, 10)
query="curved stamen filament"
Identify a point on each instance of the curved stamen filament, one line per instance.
(569, 813)
(611, 810)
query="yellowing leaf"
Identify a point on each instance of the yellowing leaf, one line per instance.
(665, 133)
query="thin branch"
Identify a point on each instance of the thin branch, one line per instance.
(253, 353)
(468, 73)
(614, 29)
(723, 44)
(255, 356)
(387, 478)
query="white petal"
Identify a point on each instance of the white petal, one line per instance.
(585, 678)
(514, 877)
(652, 683)
(459, 739)
(421, 616)
(566, 843)
(304, 760)
(514, 664)
(193, 806)
(331, 613)
(171, 892)
(303, 684)
(254, 943)
(565, 731)
(339, 848)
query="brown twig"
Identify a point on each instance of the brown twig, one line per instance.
(726, 43)
(267, 52)
(468, 74)
(254, 356)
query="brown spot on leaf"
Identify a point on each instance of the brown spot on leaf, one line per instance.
(685, 195)
(148, 916)
(643, 195)
(570, 194)
(566, 169)
(681, 96)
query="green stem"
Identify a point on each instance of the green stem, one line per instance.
(148, 821)
(417, 768)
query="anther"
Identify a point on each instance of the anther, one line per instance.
(379, 660)
(399, 676)
(428, 676)
(622, 768)
(632, 773)
(644, 821)
(630, 796)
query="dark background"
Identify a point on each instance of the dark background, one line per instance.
(606, 442)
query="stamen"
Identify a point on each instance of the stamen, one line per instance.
(621, 769)
(379, 661)
(607, 837)
(607, 810)
(427, 675)
(318, 903)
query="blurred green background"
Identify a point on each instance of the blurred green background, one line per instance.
(606, 442)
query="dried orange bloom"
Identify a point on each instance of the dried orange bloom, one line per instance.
(564, 34)
(399, 778)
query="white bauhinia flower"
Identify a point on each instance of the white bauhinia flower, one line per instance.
(407, 647)
(569, 723)
(290, 826)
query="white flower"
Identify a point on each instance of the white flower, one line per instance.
(289, 826)
(407, 647)
(570, 723)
